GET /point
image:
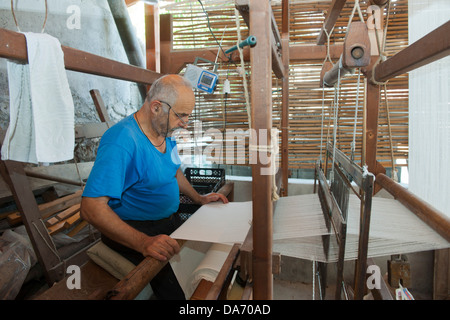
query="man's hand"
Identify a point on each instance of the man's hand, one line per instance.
(161, 247)
(212, 197)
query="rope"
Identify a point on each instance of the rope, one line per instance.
(52, 248)
(382, 57)
(15, 19)
(353, 145)
(388, 117)
(328, 57)
(244, 78)
(381, 49)
(361, 17)
(336, 112)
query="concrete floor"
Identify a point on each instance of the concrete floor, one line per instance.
(295, 279)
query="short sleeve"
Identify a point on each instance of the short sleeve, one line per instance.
(110, 174)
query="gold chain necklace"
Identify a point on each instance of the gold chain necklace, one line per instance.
(156, 146)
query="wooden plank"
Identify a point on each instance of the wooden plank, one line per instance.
(433, 46)
(13, 46)
(71, 221)
(77, 229)
(333, 14)
(49, 208)
(100, 106)
(69, 212)
(56, 228)
(441, 279)
(261, 97)
(34, 174)
(152, 42)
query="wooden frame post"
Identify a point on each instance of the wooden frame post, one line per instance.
(53, 268)
(165, 38)
(285, 99)
(153, 55)
(261, 97)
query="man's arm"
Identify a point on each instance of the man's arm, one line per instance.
(97, 212)
(188, 190)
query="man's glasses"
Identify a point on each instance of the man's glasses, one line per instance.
(179, 117)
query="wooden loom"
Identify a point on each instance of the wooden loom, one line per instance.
(262, 185)
(428, 49)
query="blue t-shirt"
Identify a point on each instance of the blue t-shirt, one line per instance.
(139, 179)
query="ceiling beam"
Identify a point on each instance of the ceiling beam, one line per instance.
(332, 15)
(433, 46)
(13, 46)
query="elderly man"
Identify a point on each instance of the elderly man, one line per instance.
(132, 193)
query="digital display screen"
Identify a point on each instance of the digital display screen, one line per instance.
(207, 80)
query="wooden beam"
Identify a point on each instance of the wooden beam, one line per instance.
(261, 97)
(427, 213)
(46, 252)
(100, 106)
(153, 51)
(13, 46)
(332, 15)
(285, 99)
(441, 279)
(314, 52)
(166, 45)
(371, 131)
(175, 61)
(433, 46)
(277, 64)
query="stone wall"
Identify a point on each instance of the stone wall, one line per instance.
(83, 25)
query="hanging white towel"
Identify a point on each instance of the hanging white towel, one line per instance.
(41, 124)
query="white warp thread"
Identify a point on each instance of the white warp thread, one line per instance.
(393, 230)
(429, 111)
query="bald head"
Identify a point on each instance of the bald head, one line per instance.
(173, 89)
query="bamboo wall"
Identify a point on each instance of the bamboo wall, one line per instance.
(306, 107)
